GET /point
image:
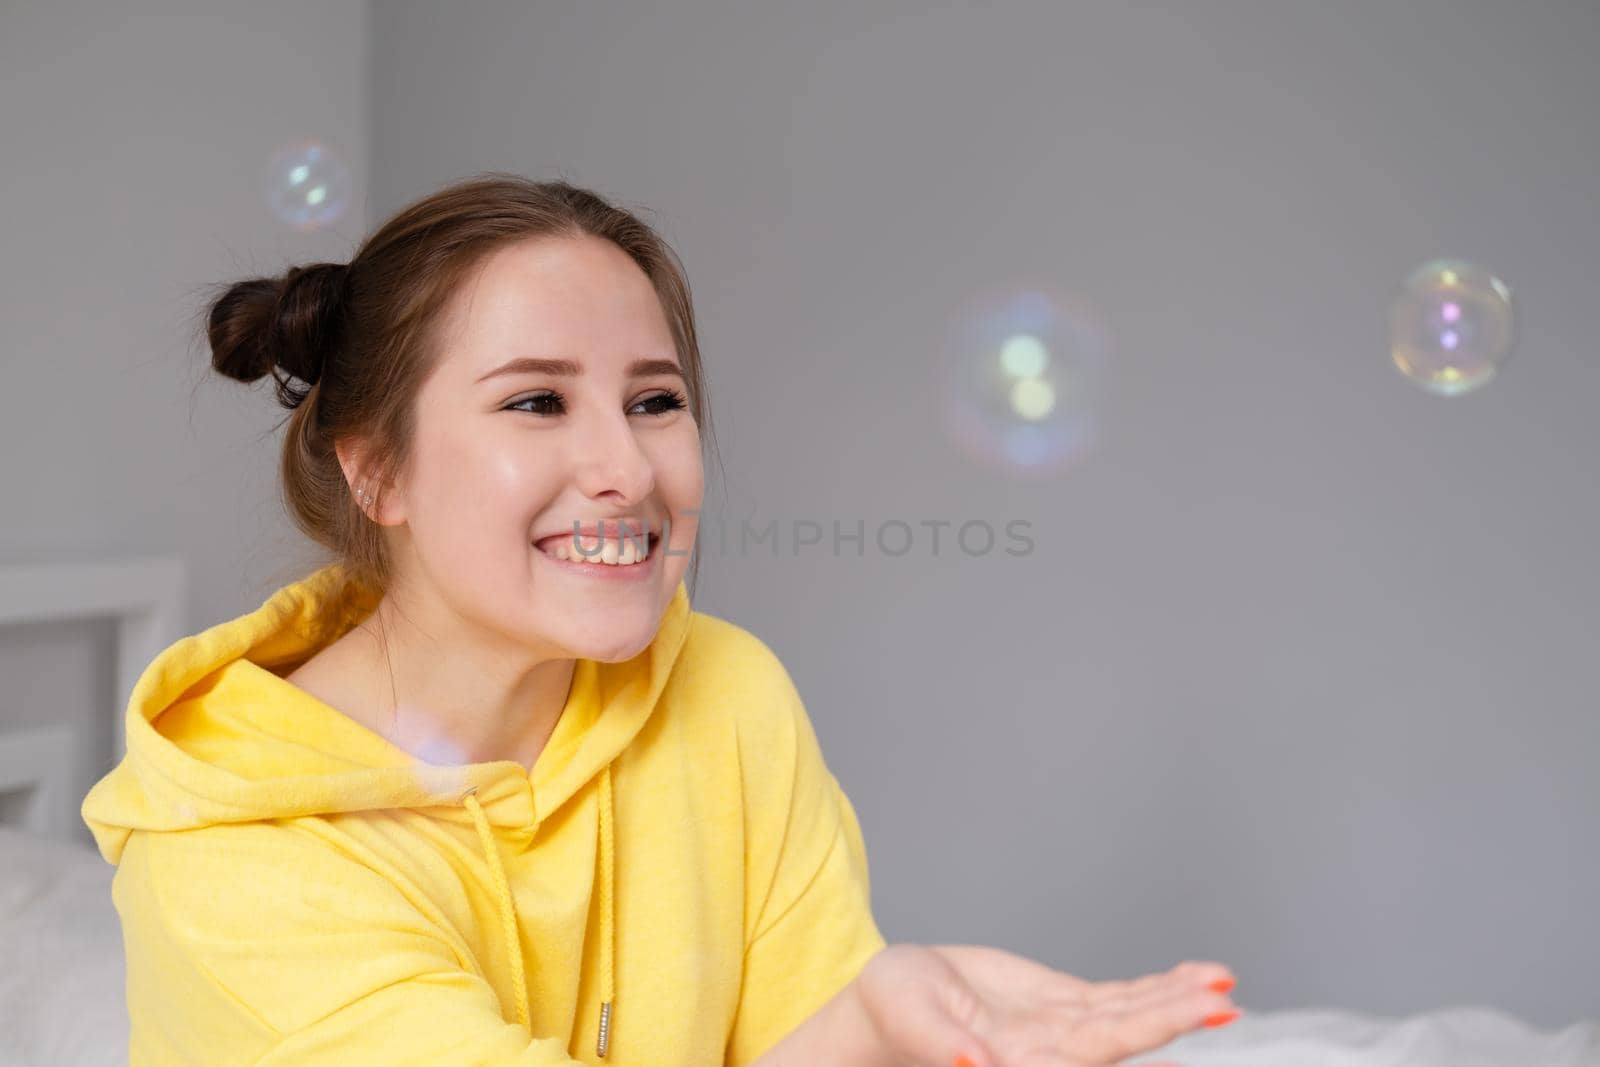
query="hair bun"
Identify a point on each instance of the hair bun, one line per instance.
(290, 324)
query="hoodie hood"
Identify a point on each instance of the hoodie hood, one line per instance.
(216, 735)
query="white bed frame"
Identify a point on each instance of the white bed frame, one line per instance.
(145, 597)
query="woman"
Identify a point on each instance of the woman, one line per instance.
(484, 789)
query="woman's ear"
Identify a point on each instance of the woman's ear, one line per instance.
(364, 486)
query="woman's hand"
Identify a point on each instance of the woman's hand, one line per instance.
(931, 1004)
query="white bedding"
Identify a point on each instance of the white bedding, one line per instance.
(61, 990)
(1453, 1037)
(62, 1005)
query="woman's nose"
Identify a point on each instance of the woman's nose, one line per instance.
(610, 457)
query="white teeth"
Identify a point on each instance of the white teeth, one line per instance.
(622, 554)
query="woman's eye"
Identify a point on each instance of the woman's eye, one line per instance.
(541, 402)
(665, 402)
(552, 403)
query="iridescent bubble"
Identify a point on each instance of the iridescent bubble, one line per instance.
(1451, 326)
(437, 761)
(307, 185)
(1024, 379)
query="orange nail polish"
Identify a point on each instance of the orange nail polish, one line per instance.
(1222, 1018)
(1222, 985)
(962, 1061)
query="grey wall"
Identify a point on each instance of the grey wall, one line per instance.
(1300, 674)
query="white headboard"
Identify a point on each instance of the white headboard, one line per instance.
(145, 597)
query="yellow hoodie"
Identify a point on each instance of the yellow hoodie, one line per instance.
(679, 882)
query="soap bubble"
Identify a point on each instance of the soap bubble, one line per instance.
(437, 760)
(1451, 326)
(1024, 379)
(307, 185)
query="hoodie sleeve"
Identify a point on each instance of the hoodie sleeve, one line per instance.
(809, 922)
(258, 943)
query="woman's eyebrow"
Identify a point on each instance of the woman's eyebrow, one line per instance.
(566, 368)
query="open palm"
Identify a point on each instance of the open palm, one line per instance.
(933, 1003)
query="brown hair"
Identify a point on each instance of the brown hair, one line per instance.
(350, 345)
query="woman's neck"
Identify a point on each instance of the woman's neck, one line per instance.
(444, 703)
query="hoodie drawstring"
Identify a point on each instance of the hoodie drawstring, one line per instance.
(508, 910)
(508, 907)
(607, 944)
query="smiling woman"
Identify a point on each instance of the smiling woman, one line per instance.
(460, 735)
(485, 788)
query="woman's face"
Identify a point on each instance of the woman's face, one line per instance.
(507, 455)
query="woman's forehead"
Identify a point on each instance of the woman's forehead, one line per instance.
(593, 315)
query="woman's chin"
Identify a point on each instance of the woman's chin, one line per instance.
(610, 646)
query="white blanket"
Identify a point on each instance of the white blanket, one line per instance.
(1453, 1037)
(61, 976)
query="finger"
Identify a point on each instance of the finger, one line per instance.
(1123, 995)
(1116, 1036)
(1187, 973)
